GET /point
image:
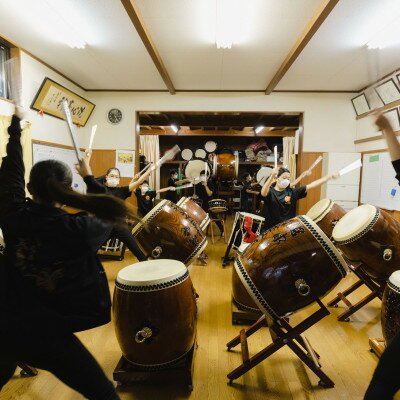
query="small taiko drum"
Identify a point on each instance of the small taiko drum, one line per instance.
(155, 313)
(168, 232)
(226, 166)
(217, 206)
(390, 310)
(371, 236)
(326, 213)
(290, 266)
(195, 211)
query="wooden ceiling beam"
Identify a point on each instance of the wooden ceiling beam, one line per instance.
(137, 20)
(311, 29)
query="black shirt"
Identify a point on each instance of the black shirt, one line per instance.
(281, 206)
(94, 186)
(171, 194)
(51, 277)
(200, 190)
(145, 202)
(396, 166)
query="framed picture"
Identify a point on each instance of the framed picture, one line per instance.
(49, 97)
(360, 104)
(388, 91)
(394, 118)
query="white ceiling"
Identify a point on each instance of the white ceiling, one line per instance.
(183, 32)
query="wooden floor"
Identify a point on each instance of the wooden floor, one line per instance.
(343, 347)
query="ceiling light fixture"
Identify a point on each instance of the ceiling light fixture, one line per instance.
(259, 129)
(228, 23)
(175, 128)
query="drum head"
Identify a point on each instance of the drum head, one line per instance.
(210, 146)
(187, 154)
(394, 281)
(320, 209)
(200, 153)
(355, 223)
(263, 174)
(152, 272)
(194, 167)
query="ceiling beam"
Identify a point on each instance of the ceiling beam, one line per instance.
(316, 21)
(137, 20)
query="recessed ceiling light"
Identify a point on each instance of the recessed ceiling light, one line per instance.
(259, 129)
(174, 128)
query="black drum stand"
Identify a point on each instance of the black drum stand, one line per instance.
(363, 280)
(282, 334)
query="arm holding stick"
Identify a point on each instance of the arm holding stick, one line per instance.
(267, 185)
(300, 177)
(393, 145)
(321, 181)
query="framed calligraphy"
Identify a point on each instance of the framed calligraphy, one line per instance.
(49, 97)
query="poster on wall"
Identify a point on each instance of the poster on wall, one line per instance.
(388, 91)
(50, 96)
(125, 162)
(360, 104)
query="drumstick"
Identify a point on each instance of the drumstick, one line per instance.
(315, 163)
(354, 165)
(168, 155)
(188, 185)
(276, 156)
(94, 128)
(71, 128)
(14, 83)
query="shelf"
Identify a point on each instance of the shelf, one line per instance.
(267, 163)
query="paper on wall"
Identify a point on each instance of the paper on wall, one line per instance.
(125, 162)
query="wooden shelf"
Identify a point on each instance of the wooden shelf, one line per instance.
(267, 163)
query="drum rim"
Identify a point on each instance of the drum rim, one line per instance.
(190, 156)
(216, 200)
(394, 286)
(322, 214)
(254, 216)
(151, 286)
(366, 227)
(322, 239)
(181, 200)
(149, 216)
(205, 222)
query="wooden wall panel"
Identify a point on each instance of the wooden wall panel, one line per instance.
(304, 162)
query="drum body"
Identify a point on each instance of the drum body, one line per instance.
(155, 313)
(195, 211)
(217, 206)
(226, 167)
(168, 232)
(326, 213)
(371, 236)
(193, 168)
(390, 310)
(290, 266)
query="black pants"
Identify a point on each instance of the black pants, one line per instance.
(62, 354)
(386, 380)
(125, 236)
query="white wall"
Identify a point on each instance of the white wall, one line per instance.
(329, 123)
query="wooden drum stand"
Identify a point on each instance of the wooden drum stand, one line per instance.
(363, 279)
(282, 333)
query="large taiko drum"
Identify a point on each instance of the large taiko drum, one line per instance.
(289, 267)
(168, 232)
(226, 167)
(155, 312)
(195, 211)
(194, 167)
(326, 213)
(390, 310)
(371, 236)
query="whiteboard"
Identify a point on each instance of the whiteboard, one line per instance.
(379, 184)
(43, 152)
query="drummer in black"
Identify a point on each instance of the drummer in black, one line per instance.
(172, 182)
(281, 199)
(385, 382)
(247, 191)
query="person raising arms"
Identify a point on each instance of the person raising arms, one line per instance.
(52, 282)
(281, 199)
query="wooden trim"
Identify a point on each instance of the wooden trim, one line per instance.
(216, 91)
(314, 91)
(373, 138)
(138, 22)
(226, 112)
(379, 109)
(201, 132)
(11, 44)
(7, 100)
(380, 79)
(316, 21)
(374, 151)
(62, 146)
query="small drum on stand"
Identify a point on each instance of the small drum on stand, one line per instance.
(390, 311)
(371, 236)
(200, 153)
(168, 232)
(263, 174)
(155, 313)
(291, 266)
(195, 211)
(194, 167)
(186, 154)
(326, 213)
(217, 206)
(226, 167)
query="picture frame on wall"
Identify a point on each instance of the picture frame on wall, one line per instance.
(388, 91)
(393, 116)
(49, 97)
(360, 104)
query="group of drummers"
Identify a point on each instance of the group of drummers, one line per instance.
(52, 283)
